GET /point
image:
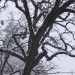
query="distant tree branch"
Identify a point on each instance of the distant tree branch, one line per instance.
(13, 54)
(58, 53)
(69, 10)
(17, 6)
(5, 61)
(22, 50)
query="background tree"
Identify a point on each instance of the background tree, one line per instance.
(10, 44)
(42, 30)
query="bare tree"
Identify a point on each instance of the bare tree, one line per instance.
(11, 44)
(42, 27)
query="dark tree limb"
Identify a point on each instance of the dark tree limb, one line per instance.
(13, 54)
(22, 50)
(3, 65)
(58, 53)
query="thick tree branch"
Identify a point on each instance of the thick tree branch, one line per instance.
(36, 62)
(5, 61)
(13, 54)
(36, 9)
(22, 50)
(27, 14)
(57, 3)
(69, 10)
(37, 19)
(58, 53)
(17, 6)
(51, 18)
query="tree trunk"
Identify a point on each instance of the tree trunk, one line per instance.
(31, 58)
(35, 43)
(28, 66)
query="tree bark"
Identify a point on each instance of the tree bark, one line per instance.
(51, 17)
(31, 57)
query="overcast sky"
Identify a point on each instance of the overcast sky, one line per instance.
(65, 63)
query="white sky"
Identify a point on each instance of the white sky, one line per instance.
(65, 63)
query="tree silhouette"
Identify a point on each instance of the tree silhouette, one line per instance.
(47, 26)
